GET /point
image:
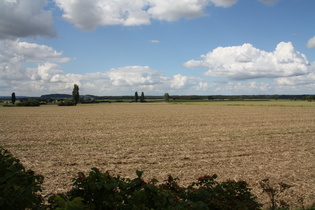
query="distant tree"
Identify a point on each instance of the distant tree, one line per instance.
(166, 97)
(142, 97)
(75, 94)
(310, 98)
(136, 96)
(13, 98)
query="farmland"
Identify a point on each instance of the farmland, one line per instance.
(236, 140)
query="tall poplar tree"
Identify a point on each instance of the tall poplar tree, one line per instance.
(142, 97)
(75, 94)
(13, 98)
(136, 96)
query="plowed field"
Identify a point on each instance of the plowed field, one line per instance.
(236, 142)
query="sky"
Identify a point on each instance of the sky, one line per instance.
(180, 47)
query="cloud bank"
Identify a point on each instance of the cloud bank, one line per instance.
(288, 69)
(45, 74)
(247, 62)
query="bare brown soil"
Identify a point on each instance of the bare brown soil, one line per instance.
(236, 142)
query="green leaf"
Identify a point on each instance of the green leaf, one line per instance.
(16, 187)
(61, 202)
(154, 181)
(75, 204)
(95, 170)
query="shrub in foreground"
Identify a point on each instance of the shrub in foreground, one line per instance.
(18, 187)
(104, 191)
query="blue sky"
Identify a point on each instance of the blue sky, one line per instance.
(202, 47)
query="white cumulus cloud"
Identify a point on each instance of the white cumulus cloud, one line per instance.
(25, 18)
(171, 10)
(14, 54)
(14, 51)
(311, 42)
(44, 72)
(88, 15)
(179, 81)
(247, 62)
(305, 80)
(134, 75)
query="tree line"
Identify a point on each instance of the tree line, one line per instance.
(75, 98)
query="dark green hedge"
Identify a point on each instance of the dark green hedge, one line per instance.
(29, 103)
(66, 103)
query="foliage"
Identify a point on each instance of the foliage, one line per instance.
(75, 94)
(166, 97)
(13, 98)
(66, 103)
(104, 191)
(136, 96)
(6, 104)
(60, 202)
(18, 187)
(225, 195)
(29, 102)
(309, 98)
(88, 101)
